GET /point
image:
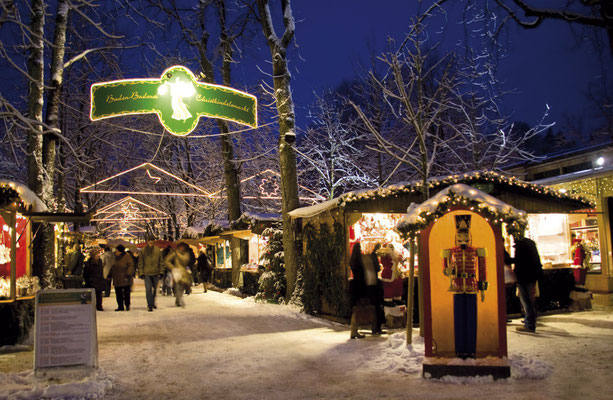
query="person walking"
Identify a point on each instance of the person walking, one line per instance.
(150, 269)
(204, 267)
(528, 269)
(177, 261)
(121, 271)
(93, 276)
(167, 283)
(107, 262)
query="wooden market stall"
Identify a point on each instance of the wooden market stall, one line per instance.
(370, 216)
(21, 212)
(240, 269)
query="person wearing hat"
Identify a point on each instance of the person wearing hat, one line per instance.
(150, 269)
(121, 271)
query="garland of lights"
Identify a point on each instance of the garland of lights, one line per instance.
(8, 195)
(514, 223)
(486, 177)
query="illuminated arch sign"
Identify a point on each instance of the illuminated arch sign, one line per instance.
(177, 98)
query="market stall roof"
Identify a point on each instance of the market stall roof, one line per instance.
(81, 218)
(420, 215)
(28, 198)
(162, 244)
(241, 234)
(396, 198)
(206, 226)
(573, 176)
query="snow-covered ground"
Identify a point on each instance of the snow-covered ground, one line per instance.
(224, 347)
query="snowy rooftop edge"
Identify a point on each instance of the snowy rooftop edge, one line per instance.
(459, 189)
(310, 211)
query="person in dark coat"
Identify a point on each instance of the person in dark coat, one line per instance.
(94, 276)
(204, 267)
(358, 290)
(77, 259)
(528, 270)
(122, 272)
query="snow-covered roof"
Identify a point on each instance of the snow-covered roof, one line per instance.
(261, 216)
(310, 211)
(415, 212)
(415, 187)
(27, 196)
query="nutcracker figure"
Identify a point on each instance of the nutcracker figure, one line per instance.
(465, 267)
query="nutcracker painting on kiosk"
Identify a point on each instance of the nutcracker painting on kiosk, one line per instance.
(465, 266)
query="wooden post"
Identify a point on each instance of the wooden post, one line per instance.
(420, 276)
(411, 290)
(13, 224)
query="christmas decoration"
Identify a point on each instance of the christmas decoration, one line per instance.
(320, 287)
(177, 98)
(143, 173)
(5, 254)
(8, 195)
(476, 179)
(459, 195)
(272, 283)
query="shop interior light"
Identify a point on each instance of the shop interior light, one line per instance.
(600, 161)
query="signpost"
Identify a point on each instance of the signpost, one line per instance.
(177, 98)
(65, 332)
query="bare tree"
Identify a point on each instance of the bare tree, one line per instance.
(593, 13)
(418, 90)
(330, 150)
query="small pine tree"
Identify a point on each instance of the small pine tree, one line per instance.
(272, 283)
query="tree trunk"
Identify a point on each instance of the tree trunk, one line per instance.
(287, 135)
(43, 241)
(35, 98)
(53, 100)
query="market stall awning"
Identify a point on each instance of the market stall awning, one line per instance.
(244, 234)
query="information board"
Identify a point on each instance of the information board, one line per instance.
(65, 330)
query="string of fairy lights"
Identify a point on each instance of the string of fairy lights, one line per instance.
(514, 222)
(471, 179)
(590, 188)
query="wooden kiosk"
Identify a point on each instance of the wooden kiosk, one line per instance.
(434, 222)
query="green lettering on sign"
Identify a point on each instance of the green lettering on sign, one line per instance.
(177, 98)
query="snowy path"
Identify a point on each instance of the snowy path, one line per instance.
(223, 347)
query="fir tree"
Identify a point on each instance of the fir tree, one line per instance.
(272, 283)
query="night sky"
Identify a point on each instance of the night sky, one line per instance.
(546, 65)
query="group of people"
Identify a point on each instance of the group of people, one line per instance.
(152, 265)
(377, 282)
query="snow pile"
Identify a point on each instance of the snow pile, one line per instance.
(233, 292)
(395, 356)
(525, 367)
(15, 348)
(25, 386)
